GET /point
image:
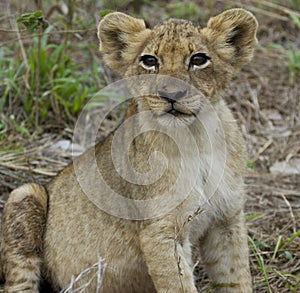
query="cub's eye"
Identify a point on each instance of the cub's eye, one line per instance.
(199, 60)
(149, 61)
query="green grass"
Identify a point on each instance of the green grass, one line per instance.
(295, 4)
(44, 79)
(260, 260)
(294, 54)
(279, 252)
(8, 75)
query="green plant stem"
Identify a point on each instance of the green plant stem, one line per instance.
(260, 261)
(37, 80)
(39, 4)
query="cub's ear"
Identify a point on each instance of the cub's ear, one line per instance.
(121, 39)
(233, 35)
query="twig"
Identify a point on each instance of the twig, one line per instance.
(100, 273)
(291, 213)
(265, 188)
(189, 219)
(277, 7)
(27, 169)
(262, 149)
(30, 36)
(270, 14)
(195, 265)
(19, 39)
(11, 30)
(178, 260)
(248, 6)
(37, 78)
(100, 266)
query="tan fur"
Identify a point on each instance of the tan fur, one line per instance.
(154, 254)
(22, 231)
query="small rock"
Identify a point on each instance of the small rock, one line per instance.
(292, 167)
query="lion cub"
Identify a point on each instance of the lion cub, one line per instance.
(163, 187)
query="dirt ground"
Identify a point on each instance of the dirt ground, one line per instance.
(265, 99)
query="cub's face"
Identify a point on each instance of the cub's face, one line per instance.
(182, 65)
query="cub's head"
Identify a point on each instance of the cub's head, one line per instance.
(194, 57)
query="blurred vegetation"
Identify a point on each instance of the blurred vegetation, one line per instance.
(49, 68)
(42, 76)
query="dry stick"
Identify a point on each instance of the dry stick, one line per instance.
(100, 273)
(291, 212)
(100, 266)
(196, 264)
(53, 161)
(11, 30)
(19, 39)
(268, 13)
(178, 260)
(4, 157)
(278, 7)
(27, 169)
(253, 95)
(262, 11)
(39, 5)
(37, 79)
(8, 15)
(262, 149)
(48, 33)
(10, 186)
(30, 36)
(265, 188)
(189, 219)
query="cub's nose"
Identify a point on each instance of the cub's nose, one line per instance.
(173, 96)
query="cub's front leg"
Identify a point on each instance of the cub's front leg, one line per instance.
(166, 259)
(224, 250)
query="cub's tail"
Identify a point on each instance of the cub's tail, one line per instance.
(21, 242)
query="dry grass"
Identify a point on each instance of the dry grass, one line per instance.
(97, 270)
(265, 98)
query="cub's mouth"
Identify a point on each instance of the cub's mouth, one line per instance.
(172, 109)
(173, 113)
(178, 110)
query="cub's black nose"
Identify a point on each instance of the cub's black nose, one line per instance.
(172, 97)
